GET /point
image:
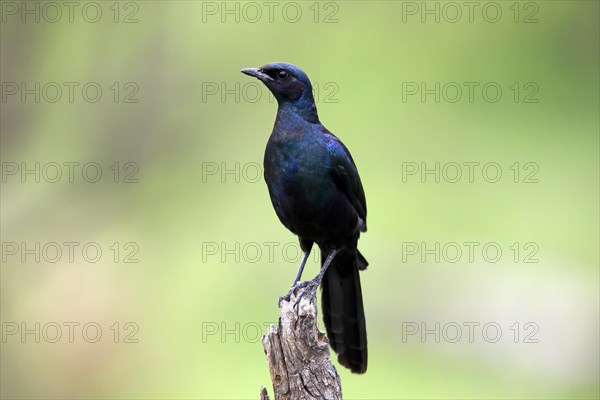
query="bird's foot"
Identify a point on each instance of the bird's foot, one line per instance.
(287, 297)
(307, 286)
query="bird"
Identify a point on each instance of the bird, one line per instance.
(317, 194)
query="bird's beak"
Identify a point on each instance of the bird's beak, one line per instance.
(257, 73)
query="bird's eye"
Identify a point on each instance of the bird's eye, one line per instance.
(282, 74)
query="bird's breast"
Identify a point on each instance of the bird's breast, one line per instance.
(302, 190)
(298, 169)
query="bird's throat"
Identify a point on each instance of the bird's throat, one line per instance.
(304, 108)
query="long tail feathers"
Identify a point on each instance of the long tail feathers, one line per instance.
(343, 311)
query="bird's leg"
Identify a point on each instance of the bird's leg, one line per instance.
(302, 264)
(298, 276)
(313, 284)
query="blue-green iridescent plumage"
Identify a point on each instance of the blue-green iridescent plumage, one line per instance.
(317, 194)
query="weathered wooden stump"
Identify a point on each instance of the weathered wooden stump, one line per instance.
(298, 354)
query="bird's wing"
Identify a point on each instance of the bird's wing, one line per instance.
(345, 175)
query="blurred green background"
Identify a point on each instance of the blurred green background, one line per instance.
(212, 258)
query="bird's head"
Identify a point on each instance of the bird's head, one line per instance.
(290, 86)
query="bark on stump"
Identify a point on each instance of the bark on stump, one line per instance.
(298, 354)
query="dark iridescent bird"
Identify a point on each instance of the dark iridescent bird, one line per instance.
(317, 194)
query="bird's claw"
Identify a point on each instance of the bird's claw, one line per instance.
(308, 285)
(287, 297)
